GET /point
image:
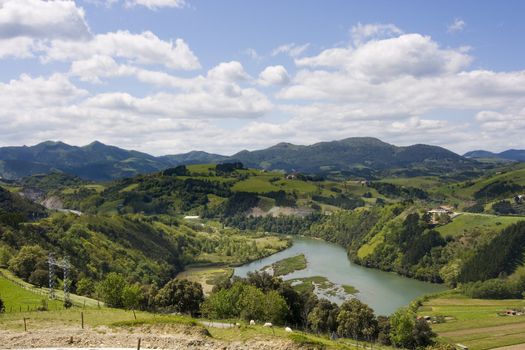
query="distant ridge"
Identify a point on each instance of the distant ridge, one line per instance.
(511, 154)
(358, 156)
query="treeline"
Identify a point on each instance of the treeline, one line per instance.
(498, 189)
(405, 192)
(263, 298)
(342, 201)
(282, 224)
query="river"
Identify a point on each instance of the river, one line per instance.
(383, 291)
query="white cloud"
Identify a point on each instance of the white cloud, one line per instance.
(457, 26)
(156, 4)
(292, 49)
(42, 19)
(228, 71)
(20, 47)
(144, 48)
(274, 75)
(381, 60)
(364, 32)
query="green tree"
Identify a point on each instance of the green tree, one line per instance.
(275, 307)
(5, 256)
(402, 324)
(323, 317)
(356, 319)
(111, 288)
(180, 296)
(28, 259)
(39, 278)
(422, 334)
(131, 296)
(86, 286)
(252, 304)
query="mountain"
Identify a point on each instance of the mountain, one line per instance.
(362, 156)
(359, 156)
(193, 157)
(511, 154)
(95, 161)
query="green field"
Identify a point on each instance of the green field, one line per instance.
(476, 323)
(258, 184)
(479, 223)
(207, 277)
(17, 299)
(286, 266)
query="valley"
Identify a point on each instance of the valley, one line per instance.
(233, 243)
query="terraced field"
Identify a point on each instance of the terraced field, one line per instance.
(476, 323)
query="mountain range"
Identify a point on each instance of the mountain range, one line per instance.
(358, 156)
(511, 154)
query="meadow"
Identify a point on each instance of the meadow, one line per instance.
(476, 323)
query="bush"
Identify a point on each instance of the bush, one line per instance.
(180, 296)
(111, 288)
(86, 287)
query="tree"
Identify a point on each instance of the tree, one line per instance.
(252, 304)
(111, 288)
(85, 286)
(422, 334)
(275, 307)
(131, 296)
(383, 335)
(180, 296)
(28, 259)
(323, 317)
(39, 278)
(357, 320)
(402, 324)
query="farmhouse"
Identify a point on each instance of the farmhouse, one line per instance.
(440, 211)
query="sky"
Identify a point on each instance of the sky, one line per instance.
(170, 76)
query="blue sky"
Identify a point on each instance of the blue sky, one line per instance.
(169, 76)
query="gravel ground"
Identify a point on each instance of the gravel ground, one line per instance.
(152, 337)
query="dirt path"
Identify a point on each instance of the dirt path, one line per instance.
(512, 347)
(152, 337)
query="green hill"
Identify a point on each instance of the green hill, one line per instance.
(360, 156)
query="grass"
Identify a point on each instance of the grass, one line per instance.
(286, 266)
(257, 184)
(480, 223)
(306, 340)
(208, 277)
(323, 285)
(476, 323)
(17, 299)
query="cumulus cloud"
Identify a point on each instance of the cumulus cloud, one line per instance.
(274, 75)
(457, 26)
(42, 19)
(381, 60)
(228, 71)
(144, 48)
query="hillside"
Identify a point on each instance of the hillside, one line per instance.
(360, 156)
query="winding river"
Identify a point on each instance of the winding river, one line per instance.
(383, 291)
